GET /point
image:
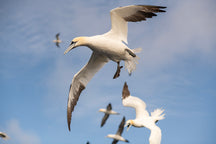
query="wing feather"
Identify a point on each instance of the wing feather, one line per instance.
(133, 13)
(114, 141)
(81, 79)
(106, 116)
(134, 102)
(57, 36)
(121, 127)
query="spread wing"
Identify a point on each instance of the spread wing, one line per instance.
(133, 13)
(134, 102)
(57, 44)
(121, 127)
(81, 79)
(104, 119)
(57, 36)
(114, 141)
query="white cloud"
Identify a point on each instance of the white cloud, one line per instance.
(18, 135)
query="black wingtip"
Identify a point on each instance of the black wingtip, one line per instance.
(125, 91)
(69, 121)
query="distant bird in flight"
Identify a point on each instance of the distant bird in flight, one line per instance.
(4, 136)
(108, 46)
(142, 116)
(57, 41)
(87, 142)
(117, 137)
(107, 112)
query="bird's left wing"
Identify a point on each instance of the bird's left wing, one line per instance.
(121, 127)
(114, 141)
(81, 79)
(57, 44)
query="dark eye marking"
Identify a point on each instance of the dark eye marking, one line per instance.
(72, 42)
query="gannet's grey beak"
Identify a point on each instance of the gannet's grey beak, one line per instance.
(71, 46)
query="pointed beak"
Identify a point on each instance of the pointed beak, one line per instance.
(71, 46)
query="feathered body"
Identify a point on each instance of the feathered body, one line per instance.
(108, 111)
(109, 46)
(143, 119)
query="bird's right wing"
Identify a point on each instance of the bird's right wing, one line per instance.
(81, 79)
(57, 36)
(134, 102)
(106, 116)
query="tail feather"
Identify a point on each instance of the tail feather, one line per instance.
(137, 50)
(158, 114)
(130, 64)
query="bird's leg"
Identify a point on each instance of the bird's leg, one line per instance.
(117, 73)
(131, 52)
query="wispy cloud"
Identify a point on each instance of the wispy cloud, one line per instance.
(18, 135)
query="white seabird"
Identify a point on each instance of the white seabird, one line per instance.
(4, 136)
(142, 116)
(57, 41)
(117, 137)
(107, 112)
(108, 46)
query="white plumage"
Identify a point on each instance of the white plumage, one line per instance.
(143, 119)
(108, 46)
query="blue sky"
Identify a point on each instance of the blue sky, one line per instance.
(176, 71)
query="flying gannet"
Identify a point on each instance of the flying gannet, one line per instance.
(4, 136)
(57, 41)
(117, 137)
(107, 112)
(108, 46)
(142, 116)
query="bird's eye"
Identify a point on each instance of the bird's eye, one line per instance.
(72, 42)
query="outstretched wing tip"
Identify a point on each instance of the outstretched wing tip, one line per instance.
(72, 101)
(125, 91)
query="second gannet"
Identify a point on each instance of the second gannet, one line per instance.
(107, 112)
(108, 46)
(142, 116)
(57, 40)
(117, 137)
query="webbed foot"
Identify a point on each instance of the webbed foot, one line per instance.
(117, 73)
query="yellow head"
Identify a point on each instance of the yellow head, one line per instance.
(129, 123)
(78, 41)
